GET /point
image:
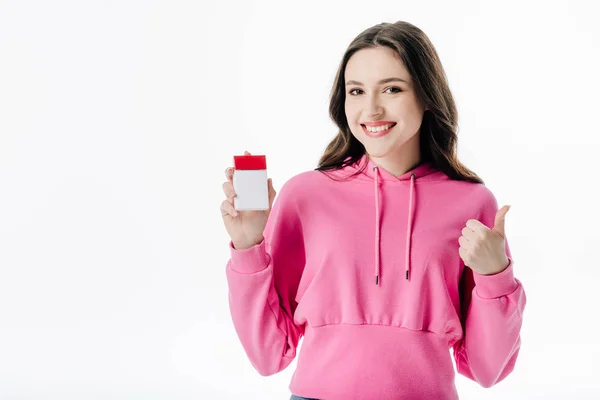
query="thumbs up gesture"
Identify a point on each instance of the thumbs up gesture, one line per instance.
(483, 249)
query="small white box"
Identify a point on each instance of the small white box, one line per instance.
(250, 183)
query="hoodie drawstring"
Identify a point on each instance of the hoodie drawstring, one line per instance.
(409, 226)
(376, 225)
(377, 222)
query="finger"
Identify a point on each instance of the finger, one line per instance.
(464, 242)
(463, 254)
(476, 226)
(247, 153)
(468, 233)
(228, 209)
(229, 173)
(228, 189)
(499, 220)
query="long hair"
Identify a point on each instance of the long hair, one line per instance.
(438, 137)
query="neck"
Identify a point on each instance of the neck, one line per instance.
(399, 164)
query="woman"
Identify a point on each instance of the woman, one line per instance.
(386, 256)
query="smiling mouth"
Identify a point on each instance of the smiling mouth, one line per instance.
(376, 132)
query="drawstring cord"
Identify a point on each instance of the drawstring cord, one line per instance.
(377, 223)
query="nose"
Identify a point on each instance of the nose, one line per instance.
(373, 107)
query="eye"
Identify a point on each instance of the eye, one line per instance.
(397, 88)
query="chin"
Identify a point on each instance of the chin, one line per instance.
(378, 152)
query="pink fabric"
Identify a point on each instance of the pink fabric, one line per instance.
(311, 278)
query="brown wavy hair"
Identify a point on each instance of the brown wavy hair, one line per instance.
(439, 127)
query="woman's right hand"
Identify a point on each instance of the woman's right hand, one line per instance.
(245, 228)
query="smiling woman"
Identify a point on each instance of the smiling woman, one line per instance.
(376, 275)
(373, 108)
(391, 75)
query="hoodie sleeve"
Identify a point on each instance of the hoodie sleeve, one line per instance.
(492, 316)
(263, 282)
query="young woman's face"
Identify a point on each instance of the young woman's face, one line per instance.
(370, 100)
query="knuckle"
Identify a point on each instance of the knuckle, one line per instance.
(226, 207)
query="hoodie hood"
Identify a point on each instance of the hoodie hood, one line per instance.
(379, 176)
(423, 171)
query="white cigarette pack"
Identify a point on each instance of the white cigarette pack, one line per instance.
(250, 183)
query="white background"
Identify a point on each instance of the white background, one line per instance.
(118, 118)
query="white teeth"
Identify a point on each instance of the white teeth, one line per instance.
(378, 129)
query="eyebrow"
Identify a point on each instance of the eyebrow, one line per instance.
(381, 82)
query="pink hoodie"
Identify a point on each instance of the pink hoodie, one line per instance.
(367, 272)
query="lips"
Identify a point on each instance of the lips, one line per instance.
(378, 123)
(377, 134)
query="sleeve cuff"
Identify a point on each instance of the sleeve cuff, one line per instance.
(497, 285)
(251, 260)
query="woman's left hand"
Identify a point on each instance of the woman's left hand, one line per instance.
(483, 249)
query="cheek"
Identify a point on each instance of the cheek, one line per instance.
(411, 107)
(350, 113)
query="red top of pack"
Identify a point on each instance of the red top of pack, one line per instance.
(249, 162)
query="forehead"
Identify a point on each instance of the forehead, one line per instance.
(372, 64)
